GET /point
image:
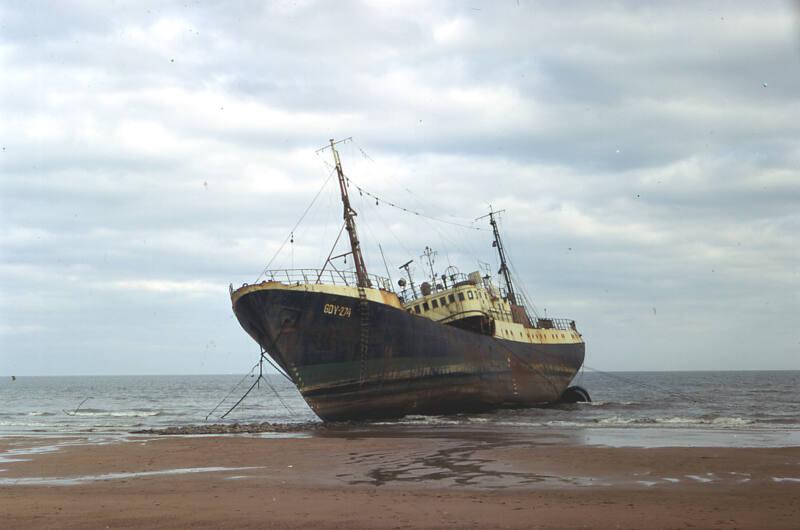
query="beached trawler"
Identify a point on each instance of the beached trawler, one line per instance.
(357, 349)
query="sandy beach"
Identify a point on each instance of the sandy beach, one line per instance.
(392, 479)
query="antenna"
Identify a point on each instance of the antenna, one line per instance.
(485, 268)
(430, 255)
(406, 267)
(388, 274)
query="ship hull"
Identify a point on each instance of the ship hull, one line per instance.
(356, 359)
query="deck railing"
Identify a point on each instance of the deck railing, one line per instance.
(327, 276)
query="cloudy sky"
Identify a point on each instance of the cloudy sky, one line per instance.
(646, 156)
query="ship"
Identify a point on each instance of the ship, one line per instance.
(356, 348)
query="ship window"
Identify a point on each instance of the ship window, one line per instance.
(425, 306)
(471, 295)
(434, 303)
(461, 297)
(416, 309)
(452, 298)
(443, 301)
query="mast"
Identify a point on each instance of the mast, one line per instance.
(511, 295)
(350, 224)
(405, 267)
(430, 256)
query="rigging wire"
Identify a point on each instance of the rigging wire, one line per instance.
(367, 237)
(447, 241)
(653, 387)
(446, 238)
(408, 210)
(379, 199)
(527, 299)
(521, 288)
(288, 237)
(392, 232)
(466, 246)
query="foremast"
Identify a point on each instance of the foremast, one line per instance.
(349, 221)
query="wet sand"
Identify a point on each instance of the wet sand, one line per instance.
(391, 479)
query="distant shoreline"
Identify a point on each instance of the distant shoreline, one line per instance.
(271, 372)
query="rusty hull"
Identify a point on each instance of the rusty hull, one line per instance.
(401, 363)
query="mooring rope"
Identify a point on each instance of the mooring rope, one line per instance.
(232, 390)
(651, 387)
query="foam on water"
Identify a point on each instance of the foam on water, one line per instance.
(117, 413)
(677, 420)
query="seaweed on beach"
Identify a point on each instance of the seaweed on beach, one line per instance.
(236, 428)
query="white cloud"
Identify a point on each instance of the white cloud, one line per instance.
(452, 31)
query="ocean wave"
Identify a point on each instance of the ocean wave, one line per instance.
(117, 413)
(720, 421)
(416, 419)
(26, 413)
(611, 421)
(22, 424)
(609, 404)
(788, 420)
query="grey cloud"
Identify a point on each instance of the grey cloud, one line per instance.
(154, 152)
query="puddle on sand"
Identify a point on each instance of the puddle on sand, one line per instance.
(72, 481)
(282, 435)
(698, 478)
(21, 454)
(456, 465)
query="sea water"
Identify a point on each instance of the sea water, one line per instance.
(754, 405)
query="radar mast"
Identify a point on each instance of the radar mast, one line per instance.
(498, 243)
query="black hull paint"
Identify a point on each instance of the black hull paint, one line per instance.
(411, 365)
